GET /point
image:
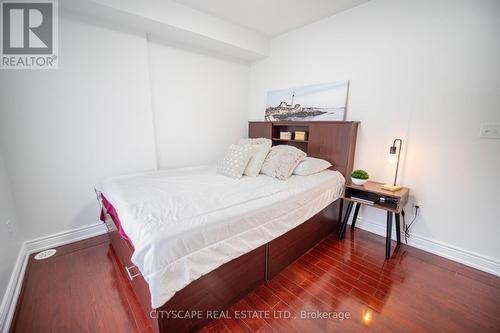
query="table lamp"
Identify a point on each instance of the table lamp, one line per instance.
(392, 159)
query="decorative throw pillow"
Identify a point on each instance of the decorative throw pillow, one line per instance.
(311, 165)
(281, 161)
(235, 161)
(261, 148)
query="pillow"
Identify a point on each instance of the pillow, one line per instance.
(235, 161)
(261, 147)
(311, 165)
(281, 161)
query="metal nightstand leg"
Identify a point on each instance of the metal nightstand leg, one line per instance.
(388, 236)
(355, 217)
(344, 222)
(398, 228)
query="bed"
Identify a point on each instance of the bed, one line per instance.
(193, 242)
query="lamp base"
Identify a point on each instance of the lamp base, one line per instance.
(392, 188)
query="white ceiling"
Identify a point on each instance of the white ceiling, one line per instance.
(271, 17)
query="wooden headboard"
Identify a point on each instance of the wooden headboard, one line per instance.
(334, 141)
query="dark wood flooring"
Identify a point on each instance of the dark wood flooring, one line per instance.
(82, 289)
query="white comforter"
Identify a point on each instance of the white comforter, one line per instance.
(185, 223)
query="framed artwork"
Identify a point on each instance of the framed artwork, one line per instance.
(326, 101)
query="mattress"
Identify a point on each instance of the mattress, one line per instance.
(184, 223)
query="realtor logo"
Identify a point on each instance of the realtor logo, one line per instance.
(29, 34)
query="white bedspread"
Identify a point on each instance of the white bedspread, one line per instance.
(185, 223)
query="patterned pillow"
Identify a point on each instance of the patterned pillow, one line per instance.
(281, 161)
(261, 147)
(235, 161)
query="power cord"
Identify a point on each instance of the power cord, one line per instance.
(406, 228)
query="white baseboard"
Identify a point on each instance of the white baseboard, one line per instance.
(65, 237)
(9, 300)
(469, 258)
(11, 295)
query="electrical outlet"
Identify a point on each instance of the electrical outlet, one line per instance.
(490, 131)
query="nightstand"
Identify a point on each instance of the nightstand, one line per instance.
(371, 194)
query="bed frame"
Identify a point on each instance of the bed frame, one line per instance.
(334, 141)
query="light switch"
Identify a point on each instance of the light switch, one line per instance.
(490, 131)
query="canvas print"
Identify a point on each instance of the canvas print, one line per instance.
(326, 101)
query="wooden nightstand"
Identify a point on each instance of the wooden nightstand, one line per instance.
(392, 202)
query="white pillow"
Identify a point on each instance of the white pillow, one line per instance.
(281, 161)
(261, 147)
(311, 165)
(235, 161)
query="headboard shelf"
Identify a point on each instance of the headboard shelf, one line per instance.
(291, 140)
(334, 141)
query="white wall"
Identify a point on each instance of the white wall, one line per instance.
(10, 238)
(200, 105)
(64, 130)
(425, 71)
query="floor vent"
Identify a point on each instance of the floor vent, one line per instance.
(45, 254)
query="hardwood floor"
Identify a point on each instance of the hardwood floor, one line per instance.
(81, 289)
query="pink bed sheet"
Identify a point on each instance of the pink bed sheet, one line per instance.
(114, 216)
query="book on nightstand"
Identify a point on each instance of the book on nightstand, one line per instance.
(366, 198)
